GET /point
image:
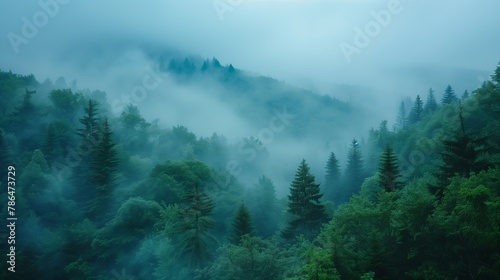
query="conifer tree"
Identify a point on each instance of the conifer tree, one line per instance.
(465, 95)
(90, 122)
(449, 96)
(192, 229)
(331, 188)
(304, 205)
(417, 110)
(430, 103)
(388, 171)
(266, 207)
(354, 174)
(242, 224)
(461, 156)
(401, 119)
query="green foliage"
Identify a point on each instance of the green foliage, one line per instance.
(242, 224)
(265, 208)
(388, 171)
(449, 96)
(417, 111)
(354, 173)
(331, 187)
(430, 104)
(252, 259)
(66, 102)
(191, 231)
(401, 119)
(308, 213)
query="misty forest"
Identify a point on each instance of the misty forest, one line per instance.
(102, 195)
(249, 140)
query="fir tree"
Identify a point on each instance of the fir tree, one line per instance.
(266, 207)
(388, 171)
(430, 104)
(242, 224)
(416, 112)
(331, 188)
(401, 119)
(460, 157)
(304, 205)
(90, 122)
(465, 95)
(354, 174)
(449, 96)
(192, 229)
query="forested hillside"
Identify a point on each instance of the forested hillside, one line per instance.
(104, 196)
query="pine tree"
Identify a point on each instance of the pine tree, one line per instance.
(105, 160)
(90, 122)
(430, 104)
(266, 207)
(331, 188)
(449, 96)
(242, 224)
(465, 95)
(401, 119)
(192, 229)
(304, 204)
(82, 174)
(417, 110)
(354, 174)
(388, 171)
(461, 156)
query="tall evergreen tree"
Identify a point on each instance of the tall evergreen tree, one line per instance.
(417, 110)
(430, 104)
(449, 96)
(90, 122)
(266, 212)
(401, 119)
(331, 188)
(242, 224)
(388, 171)
(192, 229)
(465, 95)
(304, 205)
(102, 168)
(354, 174)
(461, 156)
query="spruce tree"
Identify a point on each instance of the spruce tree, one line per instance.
(354, 174)
(194, 241)
(449, 96)
(331, 188)
(460, 157)
(90, 122)
(417, 110)
(430, 104)
(465, 95)
(401, 119)
(388, 171)
(304, 205)
(266, 207)
(242, 224)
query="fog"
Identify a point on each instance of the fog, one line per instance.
(411, 46)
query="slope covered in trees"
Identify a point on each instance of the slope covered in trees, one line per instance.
(101, 195)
